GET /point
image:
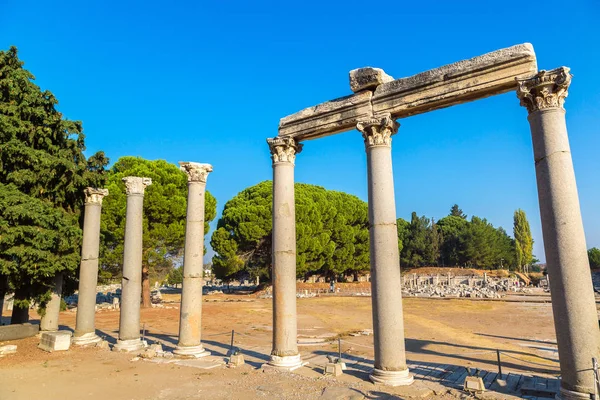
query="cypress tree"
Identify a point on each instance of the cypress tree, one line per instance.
(523, 239)
(43, 172)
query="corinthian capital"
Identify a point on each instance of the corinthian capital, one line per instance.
(378, 131)
(547, 89)
(136, 185)
(94, 195)
(196, 172)
(284, 149)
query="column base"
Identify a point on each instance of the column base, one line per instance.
(130, 345)
(288, 363)
(391, 378)
(191, 351)
(87, 339)
(565, 394)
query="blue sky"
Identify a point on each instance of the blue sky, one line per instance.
(209, 81)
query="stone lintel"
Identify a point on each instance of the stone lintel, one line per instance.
(327, 118)
(490, 74)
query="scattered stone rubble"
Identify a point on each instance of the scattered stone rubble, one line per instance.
(486, 288)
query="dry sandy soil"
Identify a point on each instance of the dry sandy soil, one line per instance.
(455, 332)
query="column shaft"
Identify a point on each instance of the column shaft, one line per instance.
(191, 296)
(49, 322)
(190, 320)
(131, 292)
(573, 302)
(285, 330)
(385, 262)
(388, 323)
(284, 262)
(88, 276)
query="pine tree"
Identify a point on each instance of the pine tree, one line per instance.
(165, 203)
(332, 235)
(523, 239)
(455, 211)
(42, 176)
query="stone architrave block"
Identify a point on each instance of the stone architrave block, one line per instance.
(367, 78)
(490, 74)
(460, 82)
(334, 369)
(18, 331)
(331, 117)
(55, 341)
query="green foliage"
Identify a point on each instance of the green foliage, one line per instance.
(455, 211)
(523, 239)
(454, 241)
(42, 176)
(175, 277)
(402, 226)
(331, 233)
(594, 257)
(165, 203)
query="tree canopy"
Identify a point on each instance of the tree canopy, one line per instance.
(454, 241)
(43, 172)
(332, 234)
(594, 257)
(164, 217)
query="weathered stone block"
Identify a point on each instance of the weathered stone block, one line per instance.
(236, 360)
(367, 78)
(334, 369)
(55, 341)
(18, 331)
(467, 80)
(8, 349)
(474, 384)
(334, 116)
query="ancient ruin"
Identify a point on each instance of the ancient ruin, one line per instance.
(85, 328)
(190, 321)
(129, 322)
(373, 109)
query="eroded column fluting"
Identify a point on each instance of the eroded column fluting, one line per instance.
(131, 284)
(190, 320)
(573, 303)
(388, 324)
(85, 329)
(285, 348)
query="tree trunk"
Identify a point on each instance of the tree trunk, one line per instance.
(3, 290)
(145, 288)
(20, 315)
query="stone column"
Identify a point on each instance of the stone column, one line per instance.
(285, 347)
(388, 324)
(49, 322)
(190, 320)
(85, 328)
(131, 284)
(573, 304)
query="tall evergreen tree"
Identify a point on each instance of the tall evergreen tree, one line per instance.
(455, 211)
(165, 203)
(416, 249)
(523, 239)
(42, 176)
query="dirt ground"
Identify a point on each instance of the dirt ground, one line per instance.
(454, 332)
